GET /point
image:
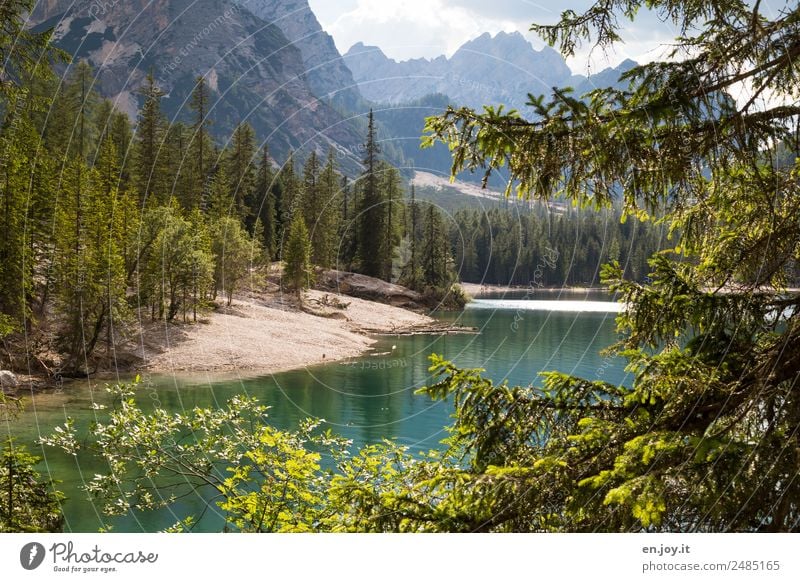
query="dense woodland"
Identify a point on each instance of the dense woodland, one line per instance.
(509, 246)
(106, 221)
(103, 220)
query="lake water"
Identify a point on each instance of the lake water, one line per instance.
(365, 399)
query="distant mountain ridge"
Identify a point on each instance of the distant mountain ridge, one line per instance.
(488, 70)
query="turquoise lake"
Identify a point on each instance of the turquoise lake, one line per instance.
(365, 399)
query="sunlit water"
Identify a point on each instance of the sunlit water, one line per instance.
(366, 399)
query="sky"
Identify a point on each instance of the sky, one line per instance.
(406, 29)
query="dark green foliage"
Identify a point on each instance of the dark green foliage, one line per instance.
(297, 256)
(25, 56)
(149, 161)
(320, 208)
(371, 211)
(347, 248)
(427, 256)
(435, 259)
(200, 144)
(27, 503)
(262, 205)
(554, 247)
(240, 163)
(705, 439)
(287, 195)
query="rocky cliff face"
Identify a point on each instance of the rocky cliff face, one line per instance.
(325, 70)
(254, 72)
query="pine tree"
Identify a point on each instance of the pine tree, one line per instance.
(372, 212)
(297, 256)
(435, 260)
(240, 156)
(178, 165)
(149, 170)
(319, 209)
(201, 145)
(122, 136)
(220, 202)
(90, 265)
(391, 188)
(348, 227)
(412, 274)
(288, 196)
(28, 503)
(27, 174)
(327, 227)
(309, 202)
(262, 205)
(16, 164)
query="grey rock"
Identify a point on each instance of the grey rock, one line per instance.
(8, 381)
(364, 287)
(327, 74)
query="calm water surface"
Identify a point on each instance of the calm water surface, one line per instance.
(365, 399)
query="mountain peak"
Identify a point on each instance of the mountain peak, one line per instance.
(360, 48)
(489, 69)
(500, 42)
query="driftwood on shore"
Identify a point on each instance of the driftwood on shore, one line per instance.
(426, 329)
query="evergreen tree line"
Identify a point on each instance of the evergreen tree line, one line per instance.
(552, 248)
(105, 221)
(99, 219)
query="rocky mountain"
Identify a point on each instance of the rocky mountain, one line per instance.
(486, 70)
(254, 72)
(327, 74)
(608, 77)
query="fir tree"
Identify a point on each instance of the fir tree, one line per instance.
(435, 260)
(372, 212)
(149, 170)
(327, 224)
(348, 226)
(240, 156)
(262, 205)
(200, 143)
(288, 196)
(391, 188)
(297, 257)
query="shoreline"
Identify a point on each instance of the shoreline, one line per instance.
(266, 334)
(259, 334)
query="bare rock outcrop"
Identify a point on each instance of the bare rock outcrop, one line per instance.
(370, 288)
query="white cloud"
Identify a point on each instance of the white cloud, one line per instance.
(406, 29)
(409, 28)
